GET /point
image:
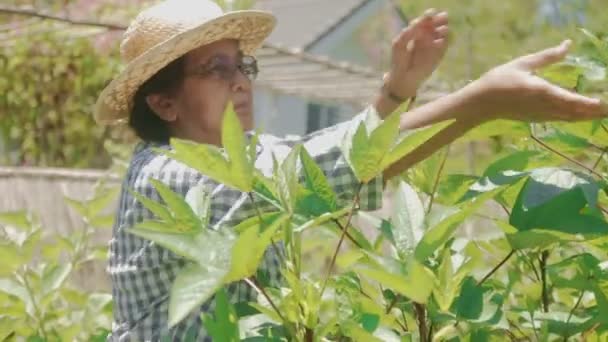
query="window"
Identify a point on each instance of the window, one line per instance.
(320, 116)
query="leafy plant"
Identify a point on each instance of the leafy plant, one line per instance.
(37, 298)
(540, 276)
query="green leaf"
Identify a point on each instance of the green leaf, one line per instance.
(55, 277)
(233, 140)
(156, 208)
(194, 285)
(199, 247)
(601, 46)
(317, 182)
(413, 280)
(517, 161)
(563, 74)
(200, 201)
(367, 153)
(13, 288)
(369, 321)
(438, 235)
(207, 159)
(184, 218)
(18, 219)
(286, 179)
(453, 187)
(102, 200)
(566, 142)
(407, 218)
(223, 326)
(553, 199)
(469, 303)
(411, 141)
(250, 246)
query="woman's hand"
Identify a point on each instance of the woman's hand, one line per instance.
(513, 91)
(416, 53)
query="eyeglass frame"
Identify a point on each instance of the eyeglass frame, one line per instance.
(246, 64)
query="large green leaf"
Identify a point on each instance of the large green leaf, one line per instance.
(250, 246)
(469, 303)
(448, 281)
(184, 218)
(233, 140)
(223, 326)
(286, 179)
(368, 147)
(436, 236)
(317, 183)
(199, 247)
(410, 142)
(54, 277)
(554, 199)
(210, 161)
(411, 279)
(194, 285)
(156, 208)
(407, 218)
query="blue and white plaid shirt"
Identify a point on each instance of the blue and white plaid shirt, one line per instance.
(142, 272)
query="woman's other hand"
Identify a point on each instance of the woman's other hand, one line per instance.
(416, 53)
(514, 91)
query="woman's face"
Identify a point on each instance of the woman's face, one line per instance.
(212, 80)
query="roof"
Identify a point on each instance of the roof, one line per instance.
(285, 70)
(302, 22)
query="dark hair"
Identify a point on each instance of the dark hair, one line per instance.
(143, 120)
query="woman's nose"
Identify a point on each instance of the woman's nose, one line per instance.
(241, 82)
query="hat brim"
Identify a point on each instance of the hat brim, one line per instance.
(249, 27)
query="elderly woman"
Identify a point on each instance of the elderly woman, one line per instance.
(187, 60)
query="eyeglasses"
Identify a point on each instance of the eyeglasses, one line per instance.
(224, 68)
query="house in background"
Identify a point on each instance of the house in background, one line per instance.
(357, 32)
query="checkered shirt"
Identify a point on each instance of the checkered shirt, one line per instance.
(142, 272)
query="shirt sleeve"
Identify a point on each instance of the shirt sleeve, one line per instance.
(324, 146)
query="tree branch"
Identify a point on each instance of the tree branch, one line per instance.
(28, 12)
(496, 267)
(333, 259)
(543, 144)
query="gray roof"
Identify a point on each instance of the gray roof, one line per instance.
(302, 22)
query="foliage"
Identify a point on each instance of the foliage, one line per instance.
(541, 275)
(37, 298)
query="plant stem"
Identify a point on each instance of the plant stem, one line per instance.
(272, 242)
(421, 316)
(30, 293)
(496, 267)
(599, 159)
(350, 237)
(253, 283)
(531, 264)
(437, 177)
(543, 274)
(518, 329)
(540, 142)
(392, 304)
(333, 259)
(578, 302)
(310, 335)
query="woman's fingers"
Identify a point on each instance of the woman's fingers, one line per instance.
(441, 19)
(571, 106)
(545, 57)
(442, 32)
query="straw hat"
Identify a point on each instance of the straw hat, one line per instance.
(165, 32)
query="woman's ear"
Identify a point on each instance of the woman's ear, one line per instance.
(163, 106)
